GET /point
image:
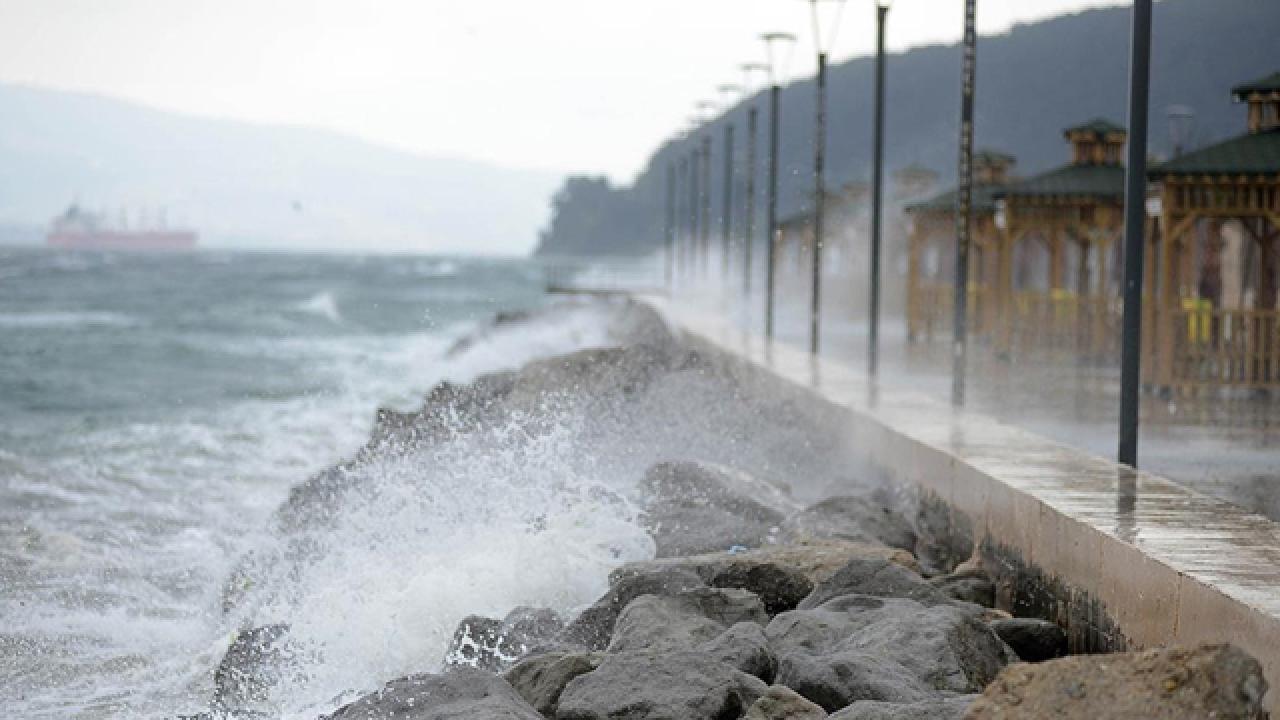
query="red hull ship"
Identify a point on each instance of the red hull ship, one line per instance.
(76, 229)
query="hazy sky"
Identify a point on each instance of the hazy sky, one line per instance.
(563, 85)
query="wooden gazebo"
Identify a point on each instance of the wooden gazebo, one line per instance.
(1060, 229)
(931, 254)
(1197, 335)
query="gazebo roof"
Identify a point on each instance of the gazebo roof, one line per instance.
(983, 200)
(1099, 126)
(1077, 181)
(1270, 83)
(1249, 154)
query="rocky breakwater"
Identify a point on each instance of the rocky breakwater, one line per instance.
(754, 605)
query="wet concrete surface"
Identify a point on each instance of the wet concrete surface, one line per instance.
(1228, 447)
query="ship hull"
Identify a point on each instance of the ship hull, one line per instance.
(150, 241)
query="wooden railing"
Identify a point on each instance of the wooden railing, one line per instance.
(1226, 348)
(933, 310)
(1062, 321)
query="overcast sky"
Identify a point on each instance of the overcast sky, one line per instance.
(561, 85)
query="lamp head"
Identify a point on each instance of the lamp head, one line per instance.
(884, 4)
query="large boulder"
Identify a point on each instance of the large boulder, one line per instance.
(783, 703)
(874, 576)
(745, 647)
(782, 575)
(1211, 681)
(682, 621)
(541, 679)
(671, 686)
(494, 645)
(592, 629)
(693, 507)
(951, 708)
(458, 694)
(860, 647)
(854, 518)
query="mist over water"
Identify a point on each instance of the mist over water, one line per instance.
(142, 461)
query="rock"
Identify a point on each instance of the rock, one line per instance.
(782, 575)
(647, 686)
(976, 589)
(693, 508)
(1033, 640)
(860, 647)
(254, 663)
(877, 577)
(540, 680)
(458, 694)
(494, 645)
(858, 519)
(744, 647)
(590, 376)
(682, 621)
(593, 628)
(952, 708)
(783, 703)
(1210, 681)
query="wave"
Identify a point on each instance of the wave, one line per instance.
(323, 304)
(67, 319)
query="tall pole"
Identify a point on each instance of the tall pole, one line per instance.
(691, 251)
(726, 223)
(749, 236)
(1135, 194)
(669, 228)
(705, 220)
(771, 249)
(819, 193)
(877, 195)
(964, 204)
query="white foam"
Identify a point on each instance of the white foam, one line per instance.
(66, 319)
(323, 304)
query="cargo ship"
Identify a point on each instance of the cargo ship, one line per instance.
(77, 229)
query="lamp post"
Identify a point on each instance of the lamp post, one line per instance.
(705, 107)
(877, 194)
(1135, 195)
(819, 162)
(964, 204)
(669, 229)
(749, 229)
(727, 94)
(779, 61)
(691, 249)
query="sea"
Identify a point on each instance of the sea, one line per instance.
(156, 409)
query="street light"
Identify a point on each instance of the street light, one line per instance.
(753, 121)
(707, 110)
(877, 193)
(779, 47)
(819, 160)
(964, 205)
(728, 93)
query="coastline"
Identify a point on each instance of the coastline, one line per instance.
(760, 588)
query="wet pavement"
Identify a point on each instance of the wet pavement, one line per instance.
(1225, 447)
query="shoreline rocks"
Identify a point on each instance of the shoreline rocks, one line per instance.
(755, 607)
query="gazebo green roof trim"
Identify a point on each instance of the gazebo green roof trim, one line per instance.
(1074, 181)
(983, 200)
(1101, 126)
(1250, 154)
(1270, 83)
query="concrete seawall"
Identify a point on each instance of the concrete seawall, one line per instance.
(1121, 559)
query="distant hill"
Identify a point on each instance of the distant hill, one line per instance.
(1032, 82)
(250, 185)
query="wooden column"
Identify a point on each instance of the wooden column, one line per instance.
(914, 242)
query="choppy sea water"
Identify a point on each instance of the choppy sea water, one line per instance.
(154, 412)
